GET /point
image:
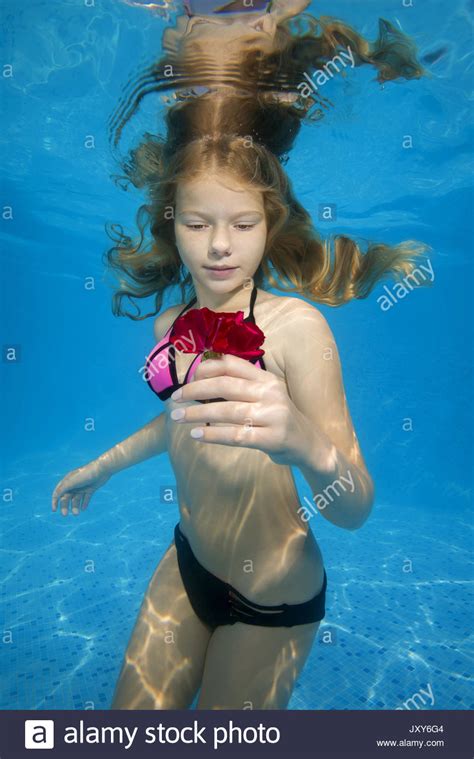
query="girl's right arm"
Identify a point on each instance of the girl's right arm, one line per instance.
(78, 486)
(149, 441)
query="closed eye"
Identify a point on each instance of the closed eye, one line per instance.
(241, 227)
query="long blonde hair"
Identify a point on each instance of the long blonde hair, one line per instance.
(295, 258)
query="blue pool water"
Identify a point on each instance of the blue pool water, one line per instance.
(398, 624)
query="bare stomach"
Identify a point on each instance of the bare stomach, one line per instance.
(239, 511)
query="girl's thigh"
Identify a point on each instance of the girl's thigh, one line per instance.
(164, 661)
(252, 667)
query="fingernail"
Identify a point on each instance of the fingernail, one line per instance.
(177, 413)
(197, 432)
(176, 396)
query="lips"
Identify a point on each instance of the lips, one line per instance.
(220, 268)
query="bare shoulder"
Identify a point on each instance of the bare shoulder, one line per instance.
(164, 320)
(295, 331)
(292, 314)
(306, 313)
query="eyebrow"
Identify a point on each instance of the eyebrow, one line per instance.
(236, 216)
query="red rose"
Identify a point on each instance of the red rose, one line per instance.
(220, 332)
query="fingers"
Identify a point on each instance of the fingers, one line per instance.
(242, 436)
(76, 489)
(58, 494)
(229, 412)
(230, 365)
(86, 499)
(64, 503)
(76, 503)
(225, 377)
(228, 388)
(63, 499)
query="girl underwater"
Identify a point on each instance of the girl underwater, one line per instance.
(235, 603)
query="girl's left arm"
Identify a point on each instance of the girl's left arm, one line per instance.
(327, 452)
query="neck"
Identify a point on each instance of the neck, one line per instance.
(237, 300)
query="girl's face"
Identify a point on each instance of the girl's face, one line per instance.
(219, 224)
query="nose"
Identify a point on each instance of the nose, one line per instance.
(220, 241)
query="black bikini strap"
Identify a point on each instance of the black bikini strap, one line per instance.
(253, 298)
(187, 306)
(182, 312)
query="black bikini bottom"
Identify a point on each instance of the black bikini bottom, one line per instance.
(218, 603)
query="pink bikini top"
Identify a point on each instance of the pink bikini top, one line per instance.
(161, 368)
